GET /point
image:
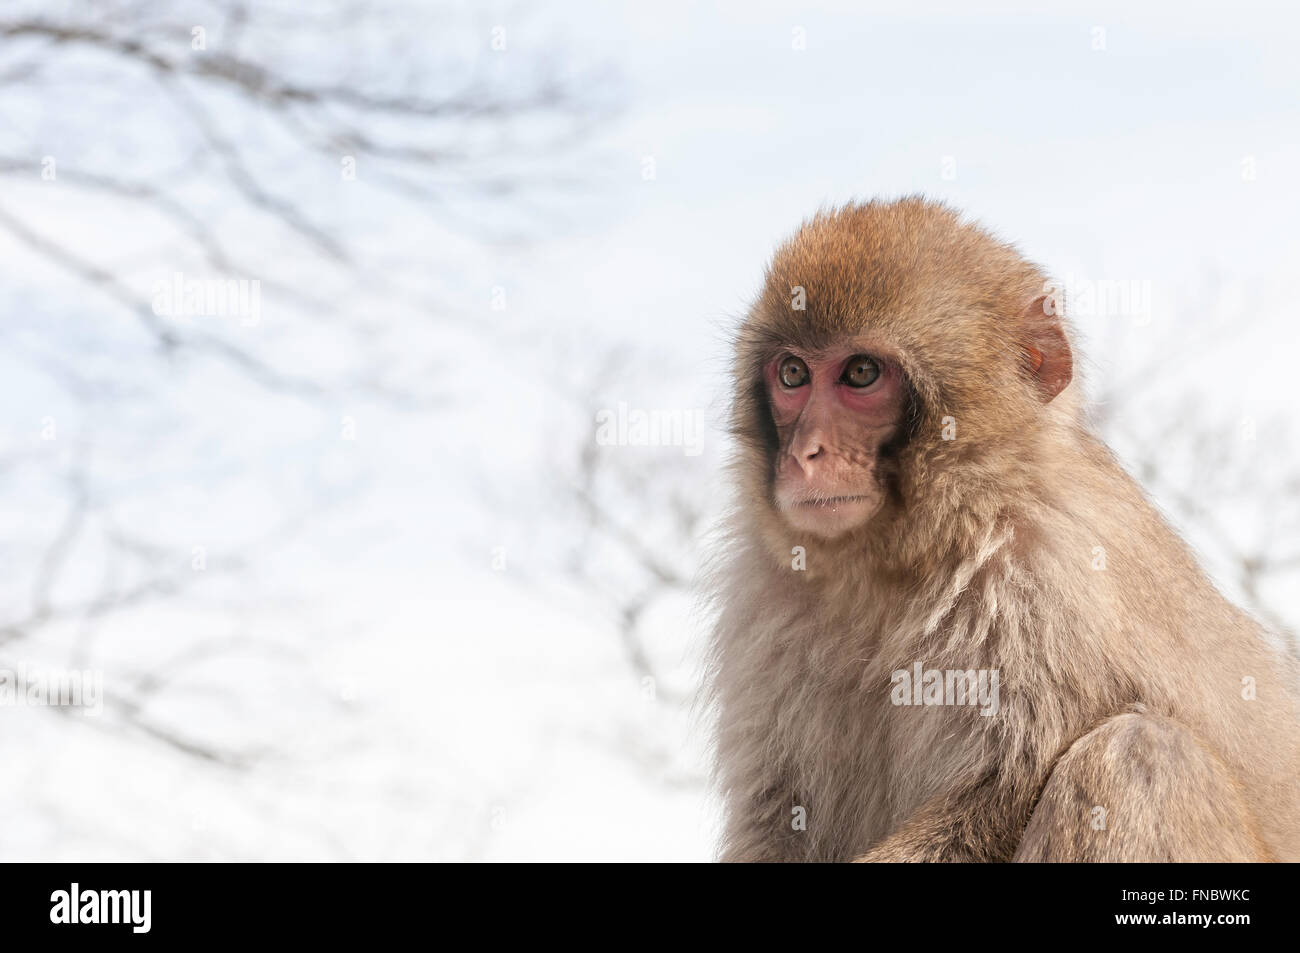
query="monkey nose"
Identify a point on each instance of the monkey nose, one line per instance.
(807, 456)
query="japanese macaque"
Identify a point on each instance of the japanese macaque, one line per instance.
(951, 627)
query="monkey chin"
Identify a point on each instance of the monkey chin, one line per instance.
(829, 517)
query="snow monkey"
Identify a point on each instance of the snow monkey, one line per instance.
(951, 627)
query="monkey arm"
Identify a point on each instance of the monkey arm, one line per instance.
(978, 823)
(1138, 788)
(1141, 787)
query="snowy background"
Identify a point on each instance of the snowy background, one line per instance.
(358, 578)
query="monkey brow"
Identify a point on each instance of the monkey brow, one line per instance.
(809, 342)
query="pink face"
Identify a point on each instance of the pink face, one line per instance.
(833, 412)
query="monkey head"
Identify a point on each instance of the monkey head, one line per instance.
(891, 345)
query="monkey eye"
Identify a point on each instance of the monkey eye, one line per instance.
(793, 372)
(860, 371)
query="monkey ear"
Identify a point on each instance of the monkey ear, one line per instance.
(1047, 352)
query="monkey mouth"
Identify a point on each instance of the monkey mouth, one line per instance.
(826, 502)
(827, 516)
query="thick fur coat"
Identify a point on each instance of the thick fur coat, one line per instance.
(1125, 683)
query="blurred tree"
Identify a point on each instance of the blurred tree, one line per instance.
(343, 161)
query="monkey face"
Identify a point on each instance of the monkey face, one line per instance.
(833, 412)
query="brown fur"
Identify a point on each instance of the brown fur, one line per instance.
(1120, 689)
